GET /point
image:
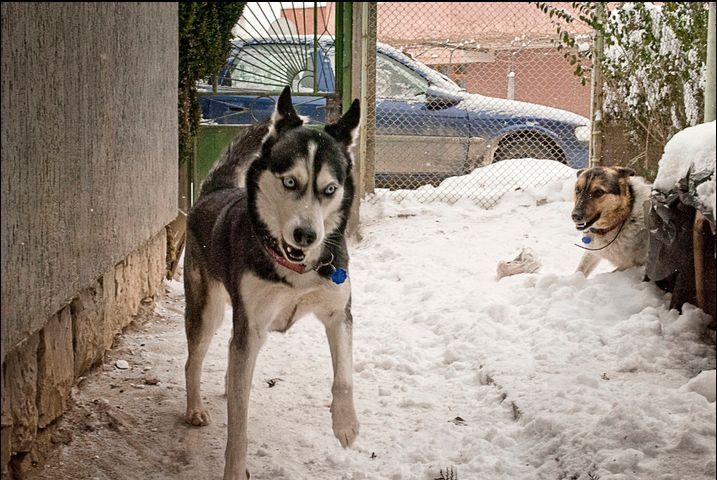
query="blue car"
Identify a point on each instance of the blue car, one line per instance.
(427, 127)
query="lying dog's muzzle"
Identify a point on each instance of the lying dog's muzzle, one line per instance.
(581, 224)
(585, 225)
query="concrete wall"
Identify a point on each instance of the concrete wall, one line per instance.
(89, 147)
(38, 374)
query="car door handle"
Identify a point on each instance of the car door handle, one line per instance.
(238, 109)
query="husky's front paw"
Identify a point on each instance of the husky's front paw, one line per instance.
(344, 423)
(199, 417)
(246, 476)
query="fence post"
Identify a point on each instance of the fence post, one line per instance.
(710, 81)
(368, 97)
(358, 65)
(596, 99)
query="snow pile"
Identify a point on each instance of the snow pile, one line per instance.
(554, 375)
(704, 384)
(522, 180)
(692, 149)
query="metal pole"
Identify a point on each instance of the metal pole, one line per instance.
(346, 68)
(511, 85)
(710, 81)
(315, 52)
(358, 85)
(597, 93)
(368, 97)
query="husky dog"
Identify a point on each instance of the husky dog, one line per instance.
(272, 247)
(609, 211)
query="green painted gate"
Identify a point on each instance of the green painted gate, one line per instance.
(266, 20)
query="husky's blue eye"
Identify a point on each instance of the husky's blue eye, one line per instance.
(330, 190)
(289, 183)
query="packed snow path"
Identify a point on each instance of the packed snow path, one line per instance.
(537, 376)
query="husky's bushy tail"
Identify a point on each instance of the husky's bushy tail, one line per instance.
(230, 169)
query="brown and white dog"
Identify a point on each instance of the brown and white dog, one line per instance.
(609, 211)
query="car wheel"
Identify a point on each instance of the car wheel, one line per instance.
(528, 145)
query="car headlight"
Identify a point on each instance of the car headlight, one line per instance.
(582, 133)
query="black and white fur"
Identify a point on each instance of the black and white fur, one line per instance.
(244, 243)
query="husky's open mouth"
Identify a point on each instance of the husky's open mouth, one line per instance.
(284, 250)
(293, 254)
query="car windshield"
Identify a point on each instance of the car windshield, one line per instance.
(433, 77)
(394, 80)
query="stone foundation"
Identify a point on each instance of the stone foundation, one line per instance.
(38, 374)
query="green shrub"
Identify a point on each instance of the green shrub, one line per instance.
(205, 30)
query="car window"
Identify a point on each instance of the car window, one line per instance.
(264, 68)
(395, 80)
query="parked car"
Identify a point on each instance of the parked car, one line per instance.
(426, 125)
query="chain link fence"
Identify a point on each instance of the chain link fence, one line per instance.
(474, 100)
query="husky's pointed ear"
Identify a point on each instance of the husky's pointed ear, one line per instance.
(345, 129)
(284, 117)
(580, 172)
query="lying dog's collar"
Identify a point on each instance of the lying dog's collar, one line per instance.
(603, 231)
(587, 239)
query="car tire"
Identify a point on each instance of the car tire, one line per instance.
(528, 145)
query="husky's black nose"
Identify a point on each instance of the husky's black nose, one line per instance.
(304, 236)
(578, 216)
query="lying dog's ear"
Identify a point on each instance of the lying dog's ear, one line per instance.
(284, 117)
(580, 172)
(623, 172)
(345, 129)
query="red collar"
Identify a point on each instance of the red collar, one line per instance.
(296, 267)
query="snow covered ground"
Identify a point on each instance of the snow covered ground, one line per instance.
(535, 376)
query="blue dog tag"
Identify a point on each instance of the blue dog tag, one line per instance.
(587, 240)
(339, 276)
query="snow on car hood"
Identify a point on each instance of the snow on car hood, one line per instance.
(474, 102)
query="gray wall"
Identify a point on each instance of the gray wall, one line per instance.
(89, 147)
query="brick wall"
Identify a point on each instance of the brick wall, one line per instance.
(542, 76)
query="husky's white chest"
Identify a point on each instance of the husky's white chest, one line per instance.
(273, 306)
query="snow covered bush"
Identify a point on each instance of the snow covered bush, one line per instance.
(653, 67)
